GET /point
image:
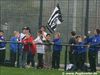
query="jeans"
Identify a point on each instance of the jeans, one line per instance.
(24, 58)
(30, 59)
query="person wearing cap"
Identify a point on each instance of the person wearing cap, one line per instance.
(29, 49)
(2, 48)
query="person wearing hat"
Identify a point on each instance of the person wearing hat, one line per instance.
(20, 46)
(29, 49)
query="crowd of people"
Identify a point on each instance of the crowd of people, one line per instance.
(24, 47)
(80, 46)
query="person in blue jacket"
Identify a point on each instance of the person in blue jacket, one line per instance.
(2, 48)
(13, 48)
(94, 42)
(80, 53)
(56, 51)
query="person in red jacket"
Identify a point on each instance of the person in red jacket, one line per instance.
(29, 44)
(29, 49)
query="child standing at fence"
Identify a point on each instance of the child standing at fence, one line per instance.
(48, 52)
(2, 48)
(40, 49)
(80, 53)
(56, 51)
(13, 48)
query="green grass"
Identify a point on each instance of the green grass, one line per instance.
(18, 71)
(21, 71)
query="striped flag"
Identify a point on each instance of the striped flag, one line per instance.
(55, 19)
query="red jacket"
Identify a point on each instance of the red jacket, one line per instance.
(28, 45)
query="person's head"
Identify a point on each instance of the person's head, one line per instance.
(16, 33)
(97, 32)
(73, 33)
(48, 37)
(42, 28)
(1, 32)
(26, 30)
(39, 33)
(78, 39)
(57, 35)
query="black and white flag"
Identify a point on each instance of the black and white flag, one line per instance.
(55, 19)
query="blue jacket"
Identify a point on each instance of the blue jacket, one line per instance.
(80, 48)
(13, 46)
(2, 45)
(57, 45)
(94, 42)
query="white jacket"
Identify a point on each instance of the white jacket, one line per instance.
(40, 48)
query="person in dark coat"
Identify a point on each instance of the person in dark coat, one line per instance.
(72, 41)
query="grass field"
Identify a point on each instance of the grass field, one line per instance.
(20, 71)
